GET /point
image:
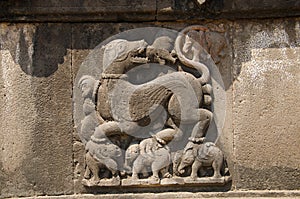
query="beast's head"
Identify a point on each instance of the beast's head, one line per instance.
(119, 49)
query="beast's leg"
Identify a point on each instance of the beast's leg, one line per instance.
(195, 167)
(200, 129)
(104, 130)
(93, 166)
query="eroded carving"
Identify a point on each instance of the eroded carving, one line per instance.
(152, 132)
(197, 156)
(88, 86)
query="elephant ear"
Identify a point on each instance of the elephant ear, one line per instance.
(101, 154)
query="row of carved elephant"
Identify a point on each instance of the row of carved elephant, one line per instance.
(185, 94)
(152, 157)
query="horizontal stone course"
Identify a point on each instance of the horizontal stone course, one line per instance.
(143, 10)
(39, 61)
(170, 195)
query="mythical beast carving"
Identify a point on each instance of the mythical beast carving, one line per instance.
(168, 90)
(142, 119)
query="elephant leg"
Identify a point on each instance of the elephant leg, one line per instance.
(145, 172)
(156, 167)
(200, 129)
(195, 167)
(216, 165)
(115, 175)
(165, 172)
(202, 172)
(112, 166)
(135, 174)
(93, 166)
(160, 164)
(155, 174)
(137, 167)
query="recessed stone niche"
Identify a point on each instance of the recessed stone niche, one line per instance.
(149, 108)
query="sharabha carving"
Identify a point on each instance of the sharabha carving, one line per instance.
(131, 131)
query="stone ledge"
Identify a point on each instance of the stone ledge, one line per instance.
(171, 195)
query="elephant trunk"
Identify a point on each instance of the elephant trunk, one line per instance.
(181, 168)
(127, 166)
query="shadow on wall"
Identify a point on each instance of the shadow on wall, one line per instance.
(42, 56)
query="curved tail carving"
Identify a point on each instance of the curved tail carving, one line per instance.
(195, 62)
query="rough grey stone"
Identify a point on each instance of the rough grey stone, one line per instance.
(78, 10)
(230, 9)
(36, 105)
(170, 195)
(143, 10)
(266, 104)
(36, 110)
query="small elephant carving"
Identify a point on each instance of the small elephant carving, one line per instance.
(131, 154)
(203, 155)
(155, 155)
(208, 155)
(103, 156)
(185, 158)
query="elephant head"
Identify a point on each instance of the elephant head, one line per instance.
(188, 156)
(176, 159)
(132, 152)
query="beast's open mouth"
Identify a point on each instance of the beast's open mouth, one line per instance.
(141, 49)
(139, 60)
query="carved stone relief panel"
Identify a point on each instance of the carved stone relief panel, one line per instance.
(145, 102)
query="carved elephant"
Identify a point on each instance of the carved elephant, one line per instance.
(132, 152)
(185, 158)
(153, 155)
(207, 154)
(176, 160)
(101, 156)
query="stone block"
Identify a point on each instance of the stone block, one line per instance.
(85, 41)
(78, 10)
(266, 104)
(229, 9)
(36, 110)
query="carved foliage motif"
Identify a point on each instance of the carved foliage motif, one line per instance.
(143, 128)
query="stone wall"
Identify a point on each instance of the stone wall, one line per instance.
(43, 45)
